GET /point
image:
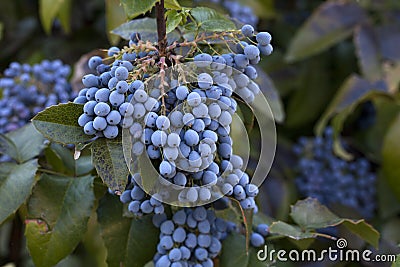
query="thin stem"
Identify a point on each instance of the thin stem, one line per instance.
(15, 243)
(161, 28)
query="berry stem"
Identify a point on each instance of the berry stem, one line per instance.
(161, 28)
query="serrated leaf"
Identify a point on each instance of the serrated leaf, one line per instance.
(134, 8)
(48, 10)
(210, 20)
(367, 50)
(364, 230)
(353, 91)
(60, 124)
(115, 16)
(310, 214)
(64, 15)
(173, 20)
(59, 209)
(22, 144)
(391, 156)
(109, 161)
(129, 242)
(16, 183)
(288, 230)
(234, 251)
(172, 4)
(147, 28)
(331, 23)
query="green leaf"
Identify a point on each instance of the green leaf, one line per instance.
(147, 28)
(22, 144)
(109, 161)
(391, 156)
(173, 20)
(59, 210)
(288, 230)
(353, 91)
(271, 93)
(172, 4)
(210, 20)
(310, 214)
(115, 16)
(129, 242)
(134, 8)
(363, 230)
(234, 251)
(368, 54)
(60, 124)
(331, 23)
(48, 10)
(65, 15)
(16, 183)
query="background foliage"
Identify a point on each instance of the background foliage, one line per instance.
(331, 60)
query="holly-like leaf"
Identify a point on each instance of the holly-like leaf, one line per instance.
(109, 161)
(60, 124)
(172, 4)
(16, 183)
(173, 20)
(288, 230)
(147, 28)
(115, 16)
(234, 251)
(134, 8)
(64, 15)
(331, 23)
(22, 144)
(129, 242)
(391, 156)
(310, 214)
(367, 50)
(354, 91)
(59, 210)
(210, 20)
(48, 10)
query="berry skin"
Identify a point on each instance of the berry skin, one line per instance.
(203, 60)
(113, 118)
(121, 73)
(122, 87)
(247, 30)
(163, 123)
(99, 123)
(182, 92)
(102, 95)
(126, 109)
(256, 240)
(110, 132)
(102, 109)
(263, 38)
(83, 119)
(94, 62)
(266, 50)
(89, 129)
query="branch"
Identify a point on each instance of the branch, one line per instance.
(161, 28)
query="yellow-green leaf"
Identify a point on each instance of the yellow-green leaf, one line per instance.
(134, 8)
(115, 16)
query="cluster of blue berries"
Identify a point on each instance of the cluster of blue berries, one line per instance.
(332, 180)
(27, 90)
(191, 238)
(183, 127)
(257, 237)
(107, 95)
(138, 201)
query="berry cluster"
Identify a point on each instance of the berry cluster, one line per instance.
(182, 123)
(27, 89)
(332, 180)
(191, 238)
